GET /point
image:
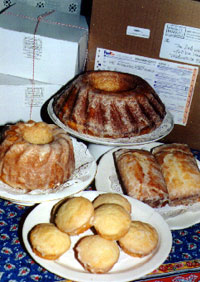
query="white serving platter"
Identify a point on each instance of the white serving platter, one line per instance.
(127, 268)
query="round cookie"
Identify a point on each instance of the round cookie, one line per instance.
(112, 198)
(75, 215)
(96, 254)
(140, 240)
(48, 242)
(111, 221)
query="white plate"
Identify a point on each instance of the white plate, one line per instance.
(184, 220)
(126, 269)
(164, 129)
(106, 180)
(85, 170)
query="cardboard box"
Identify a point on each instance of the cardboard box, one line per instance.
(42, 44)
(65, 6)
(144, 34)
(21, 99)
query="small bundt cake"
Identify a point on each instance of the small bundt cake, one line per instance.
(36, 156)
(109, 104)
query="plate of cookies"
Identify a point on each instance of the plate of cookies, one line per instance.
(164, 176)
(96, 236)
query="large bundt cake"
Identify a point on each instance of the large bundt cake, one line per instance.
(109, 104)
(36, 156)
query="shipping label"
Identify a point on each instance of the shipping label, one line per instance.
(181, 43)
(173, 82)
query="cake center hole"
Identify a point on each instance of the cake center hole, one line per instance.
(38, 133)
(109, 84)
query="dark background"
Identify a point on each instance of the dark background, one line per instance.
(86, 8)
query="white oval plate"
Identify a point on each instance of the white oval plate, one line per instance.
(83, 176)
(126, 269)
(106, 180)
(164, 129)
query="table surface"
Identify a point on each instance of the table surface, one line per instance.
(16, 265)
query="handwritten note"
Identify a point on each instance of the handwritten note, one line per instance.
(173, 82)
(181, 43)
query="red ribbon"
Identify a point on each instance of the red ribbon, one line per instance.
(39, 18)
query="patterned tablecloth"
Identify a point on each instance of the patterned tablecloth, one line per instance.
(16, 265)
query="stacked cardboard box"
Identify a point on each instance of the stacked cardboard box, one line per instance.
(23, 99)
(40, 45)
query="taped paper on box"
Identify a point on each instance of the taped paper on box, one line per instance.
(173, 82)
(181, 44)
(23, 99)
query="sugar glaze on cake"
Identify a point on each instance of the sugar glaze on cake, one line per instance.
(36, 156)
(109, 104)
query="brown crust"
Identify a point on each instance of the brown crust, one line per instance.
(81, 229)
(49, 257)
(110, 105)
(180, 171)
(140, 176)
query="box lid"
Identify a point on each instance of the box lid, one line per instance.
(44, 22)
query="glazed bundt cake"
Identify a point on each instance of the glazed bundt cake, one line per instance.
(109, 104)
(36, 156)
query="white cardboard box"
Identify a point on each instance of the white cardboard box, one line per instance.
(66, 6)
(23, 99)
(42, 44)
